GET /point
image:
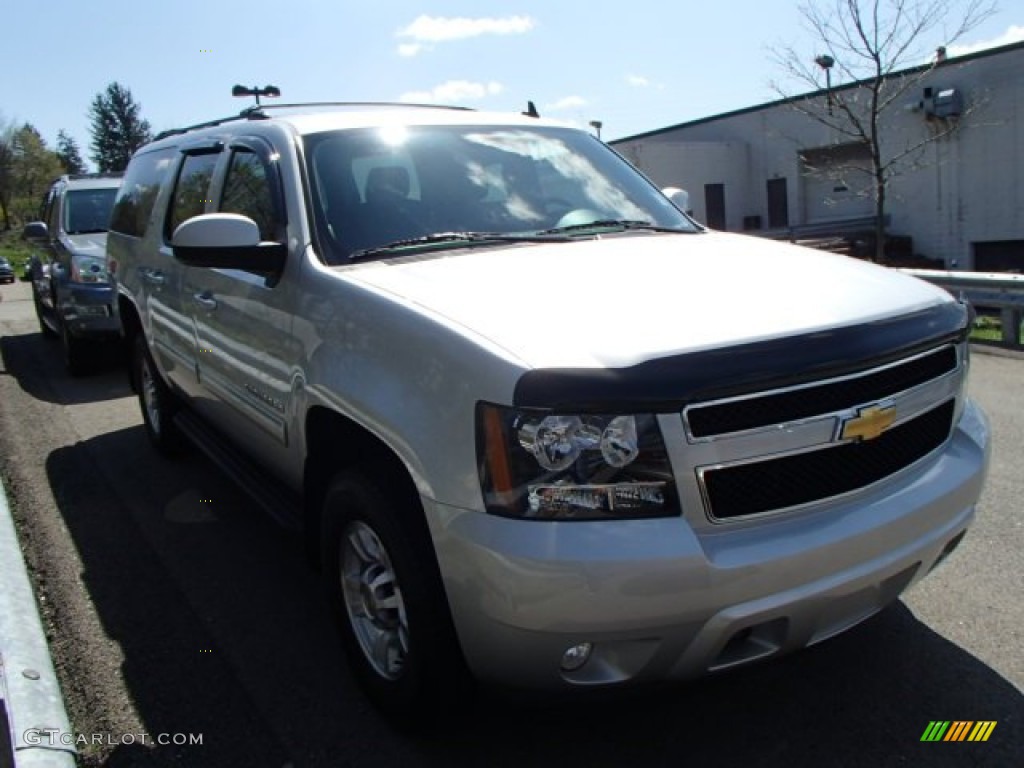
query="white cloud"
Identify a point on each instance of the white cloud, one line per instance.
(639, 81)
(569, 102)
(439, 29)
(453, 91)
(1014, 34)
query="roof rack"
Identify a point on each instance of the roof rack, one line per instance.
(96, 175)
(65, 177)
(259, 112)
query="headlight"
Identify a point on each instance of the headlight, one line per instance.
(85, 269)
(557, 466)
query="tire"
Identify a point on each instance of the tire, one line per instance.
(157, 402)
(382, 581)
(76, 352)
(47, 331)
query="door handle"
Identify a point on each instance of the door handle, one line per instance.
(205, 301)
(154, 277)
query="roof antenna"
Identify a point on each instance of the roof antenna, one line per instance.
(531, 110)
(270, 91)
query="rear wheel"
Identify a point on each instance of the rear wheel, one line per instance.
(381, 577)
(157, 402)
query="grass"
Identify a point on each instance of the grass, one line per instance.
(990, 328)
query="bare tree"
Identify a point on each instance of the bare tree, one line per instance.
(873, 56)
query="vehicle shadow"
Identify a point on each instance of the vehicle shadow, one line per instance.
(38, 365)
(223, 632)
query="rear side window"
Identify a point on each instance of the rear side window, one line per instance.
(138, 192)
(192, 190)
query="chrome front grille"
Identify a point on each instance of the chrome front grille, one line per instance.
(785, 449)
(712, 419)
(790, 481)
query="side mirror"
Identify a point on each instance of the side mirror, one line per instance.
(226, 241)
(36, 232)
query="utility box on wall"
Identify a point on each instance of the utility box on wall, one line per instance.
(945, 103)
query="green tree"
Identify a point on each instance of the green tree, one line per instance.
(117, 128)
(69, 154)
(6, 171)
(869, 64)
(34, 167)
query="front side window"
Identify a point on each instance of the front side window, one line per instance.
(247, 192)
(192, 189)
(372, 187)
(88, 210)
(50, 212)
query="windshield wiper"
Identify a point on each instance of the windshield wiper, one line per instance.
(468, 238)
(621, 224)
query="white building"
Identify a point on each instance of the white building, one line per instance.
(962, 202)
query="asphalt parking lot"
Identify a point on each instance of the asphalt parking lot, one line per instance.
(172, 607)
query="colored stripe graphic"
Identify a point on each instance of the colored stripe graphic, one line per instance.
(958, 730)
(982, 730)
(935, 730)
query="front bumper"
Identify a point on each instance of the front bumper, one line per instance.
(659, 600)
(88, 311)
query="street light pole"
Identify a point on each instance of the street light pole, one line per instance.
(826, 62)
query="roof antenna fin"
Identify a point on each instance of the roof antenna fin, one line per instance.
(531, 110)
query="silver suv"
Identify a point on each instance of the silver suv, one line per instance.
(70, 287)
(538, 426)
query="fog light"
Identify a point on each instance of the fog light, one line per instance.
(576, 656)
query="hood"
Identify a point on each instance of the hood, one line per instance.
(622, 300)
(91, 244)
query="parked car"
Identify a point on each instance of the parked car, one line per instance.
(539, 427)
(6, 271)
(71, 291)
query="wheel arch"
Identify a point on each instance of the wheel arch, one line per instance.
(131, 326)
(335, 442)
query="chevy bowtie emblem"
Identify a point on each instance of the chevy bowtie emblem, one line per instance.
(869, 423)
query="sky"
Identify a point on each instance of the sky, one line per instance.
(633, 65)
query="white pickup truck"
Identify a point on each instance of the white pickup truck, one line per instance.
(539, 427)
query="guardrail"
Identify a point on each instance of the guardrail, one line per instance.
(985, 290)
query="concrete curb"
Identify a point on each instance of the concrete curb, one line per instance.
(30, 696)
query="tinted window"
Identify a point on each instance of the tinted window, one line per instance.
(135, 199)
(247, 191)
(88, 210)
(192, 190)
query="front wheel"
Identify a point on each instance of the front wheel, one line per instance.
(157, 402)
(76, 352)
(381, 578)
(44, 328)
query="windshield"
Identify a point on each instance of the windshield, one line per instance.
(373, 187)
(88, 210)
